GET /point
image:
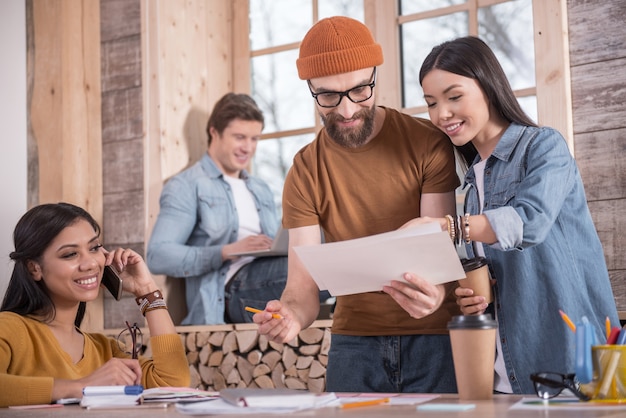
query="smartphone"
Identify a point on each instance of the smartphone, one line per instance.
(112, 281)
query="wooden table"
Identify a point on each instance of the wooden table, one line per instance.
(497, 408)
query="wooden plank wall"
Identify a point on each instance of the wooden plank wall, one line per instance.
(188, 66)
(597, 35)
(64, 136)
(122, 141)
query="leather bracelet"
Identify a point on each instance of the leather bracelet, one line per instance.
(466, 228)
(150, 301)
(150, 297)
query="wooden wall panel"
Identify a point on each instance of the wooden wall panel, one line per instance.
(554, 105)
(121, 114)
(122, 19)
(599, 95)
(596, 30)
(600, 157)
(597, 35)
(121, 63)
(188, 66)
(608, 216)
(194, 70)
(65, 102)
(123, 137)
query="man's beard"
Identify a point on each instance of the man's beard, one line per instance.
(350, 137)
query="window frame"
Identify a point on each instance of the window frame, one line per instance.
(552, 67)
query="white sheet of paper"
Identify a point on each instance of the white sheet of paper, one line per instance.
(369, 263)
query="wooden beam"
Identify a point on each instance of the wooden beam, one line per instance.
(65, 106)
(552, 66)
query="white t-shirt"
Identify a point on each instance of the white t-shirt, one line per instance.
(249, 222)
(501, 381)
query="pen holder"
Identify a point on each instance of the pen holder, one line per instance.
(609, 372)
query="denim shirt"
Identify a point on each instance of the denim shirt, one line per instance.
(196, 219)
(548, 255)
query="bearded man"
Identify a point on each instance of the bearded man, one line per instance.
(370, 170)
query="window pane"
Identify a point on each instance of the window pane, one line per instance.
(284, 99)
(508, 29)
(350, 8)
(529, 105)
(273, 159)
(415, 6)
(415, 47)
(278, 22)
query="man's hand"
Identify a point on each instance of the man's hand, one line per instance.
(250, 243)
(277, 330)
(416, 296)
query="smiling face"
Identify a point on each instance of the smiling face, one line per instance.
(349, 124)
(459, 107)
(233, 149)
(71, 266)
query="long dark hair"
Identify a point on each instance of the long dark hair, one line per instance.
(471, 57)
(32, 235)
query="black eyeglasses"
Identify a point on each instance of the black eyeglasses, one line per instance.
(356, 94)
(131, 337)
(549, 384)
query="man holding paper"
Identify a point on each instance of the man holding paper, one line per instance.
(370, 170)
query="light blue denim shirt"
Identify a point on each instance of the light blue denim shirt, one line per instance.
(196, 219)
(548, 254)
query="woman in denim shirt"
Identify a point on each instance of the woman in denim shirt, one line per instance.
(527, 214)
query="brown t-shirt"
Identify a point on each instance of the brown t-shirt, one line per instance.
(352, 193)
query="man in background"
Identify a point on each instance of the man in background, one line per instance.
(213, 210)
(370, 170)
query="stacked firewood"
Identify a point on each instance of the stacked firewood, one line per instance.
(243, 358)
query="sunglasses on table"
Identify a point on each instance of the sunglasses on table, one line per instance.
(549, 384)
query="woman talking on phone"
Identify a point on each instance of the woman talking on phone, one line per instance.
(44, 356)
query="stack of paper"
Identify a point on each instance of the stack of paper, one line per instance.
(176, 394)
(255, 401)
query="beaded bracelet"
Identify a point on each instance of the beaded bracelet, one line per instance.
(451, 228)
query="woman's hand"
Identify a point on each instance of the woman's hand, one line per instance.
(136, 277)
(470, 304)
(116, 371)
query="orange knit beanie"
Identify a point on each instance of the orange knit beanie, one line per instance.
(337, 45)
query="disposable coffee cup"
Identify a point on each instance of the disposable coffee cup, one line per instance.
(473, 339)
(477, 277)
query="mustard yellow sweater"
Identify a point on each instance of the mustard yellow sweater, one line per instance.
(31, 357)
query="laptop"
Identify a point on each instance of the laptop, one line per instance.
(280, 246)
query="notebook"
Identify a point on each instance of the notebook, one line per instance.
(279, 247)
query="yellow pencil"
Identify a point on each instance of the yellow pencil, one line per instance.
(568, 321)
(255, 310)
(607, 324)
(371, 402)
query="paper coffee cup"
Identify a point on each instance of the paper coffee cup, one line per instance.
(477, 277)
(473, 339)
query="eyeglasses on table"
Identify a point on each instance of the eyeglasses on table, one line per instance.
(550, 384)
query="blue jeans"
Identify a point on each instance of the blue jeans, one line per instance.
(390, 364)
(255, 284)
